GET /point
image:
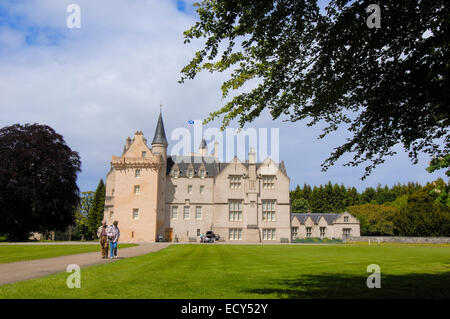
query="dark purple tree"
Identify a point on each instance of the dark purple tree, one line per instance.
(38, 173)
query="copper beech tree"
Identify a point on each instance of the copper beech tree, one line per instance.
(38, 173)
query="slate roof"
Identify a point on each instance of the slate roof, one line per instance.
(329, 218)
(160, 133)
(213, 167)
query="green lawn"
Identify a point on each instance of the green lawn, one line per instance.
(12, 253)
(256, 271)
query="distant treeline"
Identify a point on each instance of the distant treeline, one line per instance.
(336, 198)
(403, 209)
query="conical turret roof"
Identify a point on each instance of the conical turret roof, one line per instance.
(160, 133)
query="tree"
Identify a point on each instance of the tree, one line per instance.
(95, 215)
(387, 85)
(299, 205)
(375, 220)
(81, 229)
(38, 173)
(422, 216)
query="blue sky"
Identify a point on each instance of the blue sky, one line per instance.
(99, 84)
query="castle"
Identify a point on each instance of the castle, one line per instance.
(176, 198)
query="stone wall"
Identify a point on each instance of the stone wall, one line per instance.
(397, 239)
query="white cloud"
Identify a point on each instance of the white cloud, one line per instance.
(99, 84)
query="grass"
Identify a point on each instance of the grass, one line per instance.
(253, 271)
(13, 253)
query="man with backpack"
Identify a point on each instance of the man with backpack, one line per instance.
(101, 234)
(113, 234)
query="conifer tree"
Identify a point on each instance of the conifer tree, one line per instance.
(95, 216)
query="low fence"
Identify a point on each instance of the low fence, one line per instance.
(397, 239)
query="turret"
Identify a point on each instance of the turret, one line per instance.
(159, 143)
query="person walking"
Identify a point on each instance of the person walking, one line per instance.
(101, 234)
(113, 237)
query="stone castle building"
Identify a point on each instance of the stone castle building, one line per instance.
(176, 198)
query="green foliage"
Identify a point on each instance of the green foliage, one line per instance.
(81, 229)
(375, 219)
(328, 66)
(299, 205)
(95, 215)
(422, 216)
(399, 202)
(442, 162)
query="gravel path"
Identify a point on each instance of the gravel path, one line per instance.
(24, 270)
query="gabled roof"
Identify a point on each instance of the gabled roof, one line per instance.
(160, 133)
(212, 166)
(329, 218)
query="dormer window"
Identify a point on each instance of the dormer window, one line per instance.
(202, 173)
(190, 172)
(175, 172)
(144, 154)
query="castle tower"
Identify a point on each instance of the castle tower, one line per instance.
(159, 144)
(159, 147)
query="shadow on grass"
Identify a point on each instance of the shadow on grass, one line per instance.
(429, 286)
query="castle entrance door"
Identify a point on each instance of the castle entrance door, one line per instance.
(169, 234)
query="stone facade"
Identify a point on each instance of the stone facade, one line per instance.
(176, 198)
(330, 226)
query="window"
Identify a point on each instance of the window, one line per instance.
(137, 189)
(322, 231)
(175, 172)
(144, 154)
(235, 210)
(198, 213)
(186, 212)
(111, 215)
(202, 173)
(198, 232)
(174, 212)
(175, 188)
(137, 173)
(268, 210)
(268, 182)
(345, 219)
(190, 173)
(269, 234)
(294, 232)
(112, 192)
(346, 232)
(308, 232)
(189, 190)
(235, 181)
(202, 189)
(235, 234)
(136, 213)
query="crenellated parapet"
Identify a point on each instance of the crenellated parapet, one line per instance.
(124, 163)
